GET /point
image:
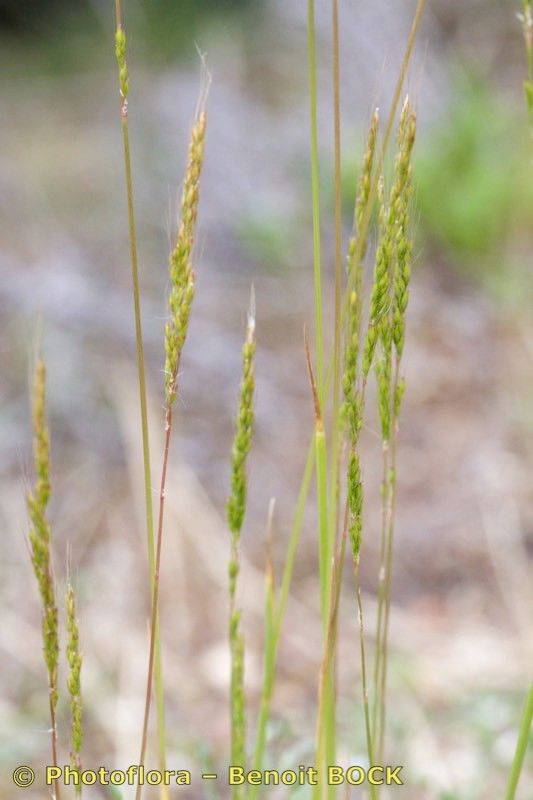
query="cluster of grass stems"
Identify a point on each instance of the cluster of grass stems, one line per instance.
(368, 337)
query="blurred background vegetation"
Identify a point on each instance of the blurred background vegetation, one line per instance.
(462, 638)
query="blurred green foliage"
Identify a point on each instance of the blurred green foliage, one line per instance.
(166, 25)
(474, 183)
(473, 187)
(267, 238)
(58, 36)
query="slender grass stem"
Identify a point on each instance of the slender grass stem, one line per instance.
(334, 488)
(325, 719)
(305, 481)
(315, 194)
(155, 594)
(323, 527)
(387, 565)
(281, 599)
(326, 686)
(325, 549)
(269, 646)
(521, 746)
(335, 421)
(137, 315)
(53, 738)
(160, 704)
(381, 584)
(292, 547)
(364, 679)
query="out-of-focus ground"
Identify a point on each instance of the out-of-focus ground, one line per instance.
(461, 624)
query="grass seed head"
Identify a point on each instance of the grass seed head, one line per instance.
(351, 411)
(380, 296)
(40, 536)
(74, 658)
(392, 266)
(402, 241)
(242, 441)
(182, 279)
(365, 178)
(120, 51)
(355, 502)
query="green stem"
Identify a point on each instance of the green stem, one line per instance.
(325, 733)
(391, 500)
(306, 478)
(237, 705)
(315, 193)
(144, 414)
(521, 746)
(376, 711)
(324, 541)
(330, 744)
(154, 621)
(364, 680)
(271, 651)
(335, 421)
(53, 734)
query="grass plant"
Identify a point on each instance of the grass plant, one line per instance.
(368, 339)
(395, 250)
(74, 658)
(524, 734)
(40, 538)
(123, 74)
(236, 511)
(182, 285)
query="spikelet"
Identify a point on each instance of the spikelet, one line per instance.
(182, 279)
(123, 77)
(40, 536)
(74, 658)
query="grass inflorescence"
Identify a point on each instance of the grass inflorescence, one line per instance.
(40, 537)
(182, 281)
(236, 510)
(368, 340)
(74, 658)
